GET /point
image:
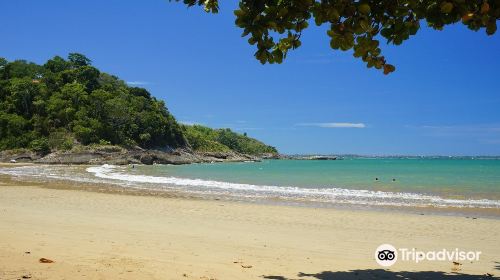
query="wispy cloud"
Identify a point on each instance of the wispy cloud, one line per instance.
(462, 129)
(482, 133)
(137, 83)
(239, 125)
(190, 123)
(334, 125)
(247, 128)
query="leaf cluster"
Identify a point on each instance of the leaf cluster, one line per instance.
(275, 26)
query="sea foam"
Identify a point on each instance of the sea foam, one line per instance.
(332, 195)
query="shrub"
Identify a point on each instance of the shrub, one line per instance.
(104, 142)
(40, 145)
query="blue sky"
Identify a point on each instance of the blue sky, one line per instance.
(444, 97)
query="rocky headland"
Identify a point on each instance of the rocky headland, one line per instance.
(121, 156)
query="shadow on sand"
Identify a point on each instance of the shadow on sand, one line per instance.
(382, 274)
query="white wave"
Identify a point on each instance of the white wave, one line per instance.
(340, 195)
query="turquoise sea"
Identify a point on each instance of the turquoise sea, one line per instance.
(402, 182)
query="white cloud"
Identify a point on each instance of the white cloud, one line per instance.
(334, 125)
(137, 83)
(247, 128)
(189, 122)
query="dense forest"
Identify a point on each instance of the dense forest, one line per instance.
(206, 139)
(68, 102)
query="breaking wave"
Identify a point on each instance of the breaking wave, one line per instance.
(326, 195)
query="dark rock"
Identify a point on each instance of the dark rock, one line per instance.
(72, 158)
(323, 158)
(120, 156)
(18, 156)
(272, 156)
(314, 157)
(146, 159)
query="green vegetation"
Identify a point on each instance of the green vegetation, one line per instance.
(64, 103)
(275, 27)
(204, 139)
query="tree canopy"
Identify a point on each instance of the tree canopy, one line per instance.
(205, 139)
(66, 102)
(276, 26)
(62, 102)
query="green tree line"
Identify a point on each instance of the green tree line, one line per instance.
(205, 139)
(67, 102)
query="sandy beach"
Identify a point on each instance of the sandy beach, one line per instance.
(92, 235)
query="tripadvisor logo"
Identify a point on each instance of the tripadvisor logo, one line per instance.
(387, 255)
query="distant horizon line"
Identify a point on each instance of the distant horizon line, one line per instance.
(390, 155)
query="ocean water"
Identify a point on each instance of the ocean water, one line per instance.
(402, 182)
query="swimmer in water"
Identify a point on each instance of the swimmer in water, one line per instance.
(376, 178)
(394, 180)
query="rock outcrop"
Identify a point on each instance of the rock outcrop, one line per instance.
(18, 156)
(119, 156)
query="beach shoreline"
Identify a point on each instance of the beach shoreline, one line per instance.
(107, 235)
(47, 179)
